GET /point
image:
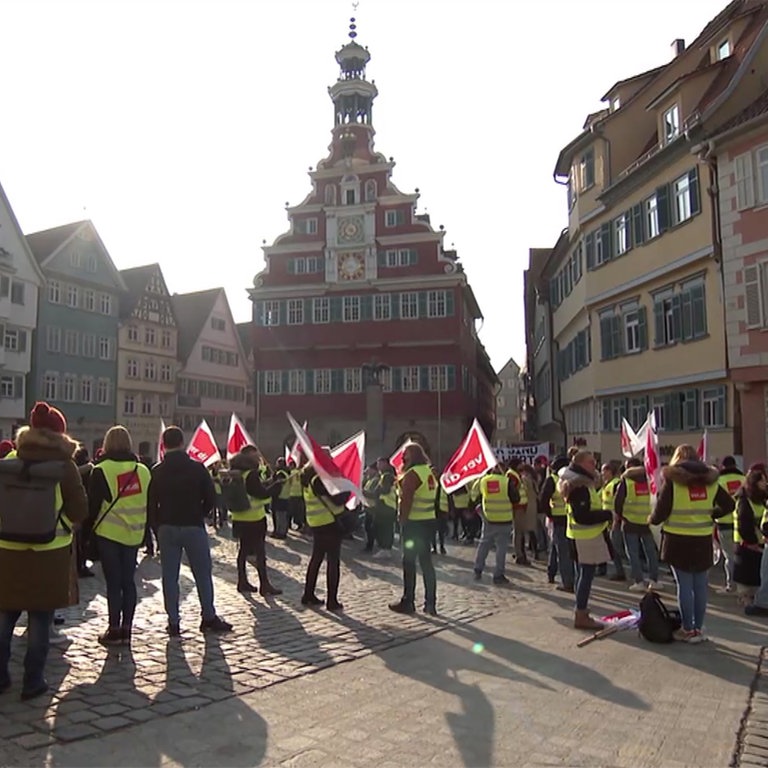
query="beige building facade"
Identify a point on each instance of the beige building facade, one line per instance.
(509, 405)
(634, 286)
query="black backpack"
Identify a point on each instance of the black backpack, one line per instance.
(233, 490)
(28, 513)
(657, 623)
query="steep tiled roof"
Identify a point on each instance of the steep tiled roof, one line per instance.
(44, 243)
(192, 310)
(757, 108)
(632, 78)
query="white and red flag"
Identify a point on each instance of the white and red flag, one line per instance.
(396, 459)
(237, 438)
(349, 457)
(160, 446)
(652, 458)
(294, 453)
(202, 447)
(327, 469)
(472, 460)
(703, 448)
(627, 438)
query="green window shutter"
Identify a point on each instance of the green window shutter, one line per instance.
(686, 306)
(450, 308)
(422, 302)
(260, 382)
(336, 309)
(677, 318)
(698, 311)
(258, 313)
(381, 258)
(413, 257)
(22, 341)
(366, 307)
(616, 340)
(589, 247)
(672, 407)
(606, 408)
(337, 380)
(18, 386)
(693, 185)
(5, 286)
(662, 203)
(630, 228)
(424, 378)
(291, 266)
(396, 380)
(285, 382)
(606, 236)
(395, 302)
(753, 297)
(642, 327)
(451, 376)
(638, 224)
(309, 381)
(605, 338)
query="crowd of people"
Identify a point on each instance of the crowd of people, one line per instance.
(60, 513)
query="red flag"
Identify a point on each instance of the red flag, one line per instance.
(295, 452)
(703, 448)
(396, 459)
(202, 447)
(160, 446)
(349, 458)
(626, 439)
(652, 460)
(238, 437)
(472, 460)
(327, 469)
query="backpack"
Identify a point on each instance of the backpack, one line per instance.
(657, 623)
(233, 490)
(28, 513)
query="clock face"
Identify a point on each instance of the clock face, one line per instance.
(351, 267)
(351, 229)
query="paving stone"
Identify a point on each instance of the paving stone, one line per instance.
(33, 740)
(111, 723)
(75, 731)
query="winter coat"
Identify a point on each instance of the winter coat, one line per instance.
(692, 554)
(43, 581)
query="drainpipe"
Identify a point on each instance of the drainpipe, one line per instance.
(707, 155)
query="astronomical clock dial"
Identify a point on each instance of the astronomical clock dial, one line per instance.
(351, 267)
(351, 229)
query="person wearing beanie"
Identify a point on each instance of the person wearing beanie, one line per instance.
(7, 449)
(38, 578)
(552, 504)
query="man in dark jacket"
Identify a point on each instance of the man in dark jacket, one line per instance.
(180, 496)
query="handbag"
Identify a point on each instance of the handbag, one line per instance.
(91, 548)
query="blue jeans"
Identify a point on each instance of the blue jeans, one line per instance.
(38, 641)
(586, 573)
(194, 541)
(634, 540)
(118, 562)
(493, 533)
(761, 597)
(617, 544)
(560, 557)
(691, 597)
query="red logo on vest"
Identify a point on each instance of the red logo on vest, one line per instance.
(697, 492)
(431, 483)
(733, 486)
(641, 489)
(128, 484)
(493, 486)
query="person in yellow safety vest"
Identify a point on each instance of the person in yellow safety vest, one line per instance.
(759, 606)
(748, 535)
(443, 512)
(632, 504)
(370, 481)
(731, 479)
(296, 497)
(322, 509)
(36, 577)
(117, 502)
(220, 512)
(519, 511)
(499, 495)
(383, 494)
(280, 508)
(587, 526)
(691, 497)
(7, 450)
(460, 502)
(609, 473)
(552, 504)
(249, 527)
(418, 486)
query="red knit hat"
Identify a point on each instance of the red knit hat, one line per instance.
(45, 416)
(6, 446)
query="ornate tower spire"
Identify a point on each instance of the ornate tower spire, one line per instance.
(352, 94)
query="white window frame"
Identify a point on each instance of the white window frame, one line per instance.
(105, 304)
(7, 389)
(89, 300)
(133, 334)
(382, 306)
(51, 386)
(150, 337)
(147, 405)
(351, 309)
(353, 380)
(620, 239)
(437, 304)
(103, 391)
(409, 300)
(53, 338)
(410, 378)
(670, 124)
(438, 378)
(295, 311)
(681, 193)
(150, 370)
(390, 218)
(105, 348)
(651, 211)
(271, 313)
(166, 372)
(11, 340)
(321, 310)
(744, 181)
(54, 292)
(129, 404)
(69, 388)
(89, 345)
(761, 155)
(166, 340)
(86, 389)
(323, 381)
(710, 398)
(71, 342)
(297, 382)
(273, 382)
(723, 50)
(631, 322)
(73, 296)
(132, 368)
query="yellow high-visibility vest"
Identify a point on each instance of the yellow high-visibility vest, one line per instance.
(127, 519)
(257, 511)
(556, 501)
(423, 504)
(637, 503)
(758, 515)
(608, 493)
(319, 513)
(494, 490)
(692, 507)
(575, 530)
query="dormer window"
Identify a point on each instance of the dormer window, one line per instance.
(586, 170)
(671, 124)
(615, 103)
(724, 50)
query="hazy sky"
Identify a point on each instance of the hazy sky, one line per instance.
(182, 128)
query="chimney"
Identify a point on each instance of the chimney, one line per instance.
(678, 46)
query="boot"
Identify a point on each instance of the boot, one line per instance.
(244, 588)
(267, 590)
(582, 620)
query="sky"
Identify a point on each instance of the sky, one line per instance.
(182, 127)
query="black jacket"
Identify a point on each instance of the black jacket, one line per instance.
(181, 492)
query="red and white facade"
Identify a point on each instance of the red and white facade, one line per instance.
(361, 320)
(741, 152)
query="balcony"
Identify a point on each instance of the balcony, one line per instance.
(187, 401)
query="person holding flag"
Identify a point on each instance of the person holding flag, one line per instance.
(418, 486)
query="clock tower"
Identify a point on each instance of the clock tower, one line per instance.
(360, 283)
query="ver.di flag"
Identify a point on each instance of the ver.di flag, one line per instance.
(328, 471)
(396, 459)
(703, 449)
(160, 446)
(652, 459)
(349, 458)
(627, 435)
(237, 438)
(294, 453)
(472, 460)
(202, 447)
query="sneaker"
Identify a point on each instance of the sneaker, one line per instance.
(401, 606)
(655, 586)
(173, 630)
(683, 635)
(696, 636)
(216, 624)
(500, 580)
(638, 586)
(478, 575)
(112, 636)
